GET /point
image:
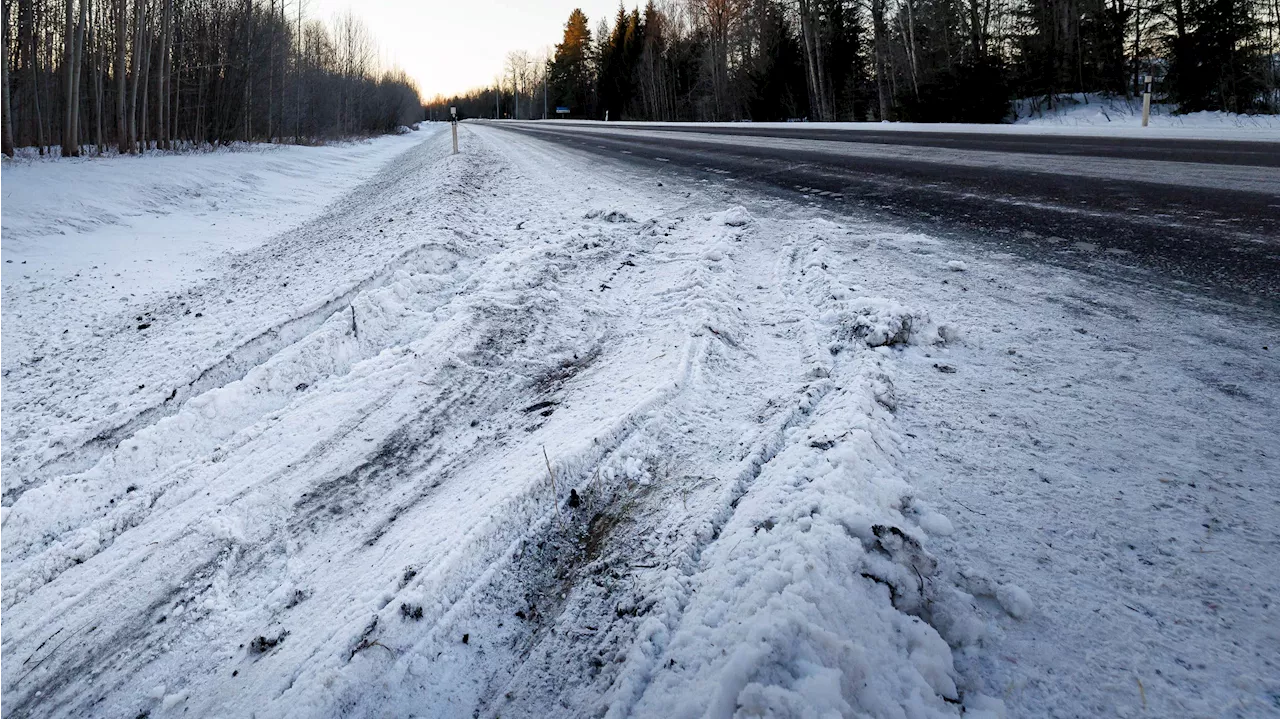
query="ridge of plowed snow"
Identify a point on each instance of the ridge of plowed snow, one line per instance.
(522, 452)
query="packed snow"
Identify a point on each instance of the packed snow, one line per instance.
(524, 432)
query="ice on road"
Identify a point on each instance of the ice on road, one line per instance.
(520, 432)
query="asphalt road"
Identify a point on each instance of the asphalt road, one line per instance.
(1197, 216)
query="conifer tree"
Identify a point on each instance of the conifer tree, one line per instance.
(571, 73)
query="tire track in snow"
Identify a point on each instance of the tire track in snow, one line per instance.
(212, 420)
(386, 405)
(79, 445)
(546, 526)
(554, 555)
(642, 660)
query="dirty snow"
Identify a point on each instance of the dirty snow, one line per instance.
(520, 432)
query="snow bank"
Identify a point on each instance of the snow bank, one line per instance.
(818, 596)
(1093, 110)
(91, 242)
(1202, 126)
(156, 218)
(793, 616)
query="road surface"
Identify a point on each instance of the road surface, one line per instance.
(1201, 214)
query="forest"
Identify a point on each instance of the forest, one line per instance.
(910, 60)
(95, 76)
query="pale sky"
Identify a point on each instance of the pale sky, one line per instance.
(450, 46)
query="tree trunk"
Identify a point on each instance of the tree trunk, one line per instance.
(144, 125)
(6, 108)
(122, 129)
(77, 62)
(139, 10)
(271, 79)
(94, 39)
(248, 69)
(68, 83)
(976, 39)
(34, 65)
(910, 38)
(175, 90)
(163, 92)
(297, 74)
(808, 34)
(880, 29)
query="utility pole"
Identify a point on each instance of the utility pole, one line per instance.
(545, 71)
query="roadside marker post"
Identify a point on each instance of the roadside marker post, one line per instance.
(1146, 102)
(453, 120)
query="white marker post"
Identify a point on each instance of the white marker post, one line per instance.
(453, 120)
(1146, 102)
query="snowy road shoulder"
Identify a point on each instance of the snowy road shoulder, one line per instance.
(374, 485)
(525, 433)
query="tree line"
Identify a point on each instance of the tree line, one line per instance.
(911, 60)
(82, 76)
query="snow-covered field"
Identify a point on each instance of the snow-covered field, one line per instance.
(520, 432)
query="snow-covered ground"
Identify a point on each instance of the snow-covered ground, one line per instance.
(520, 432)
(101, 234)
(1093, 110)
(1086, 121)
